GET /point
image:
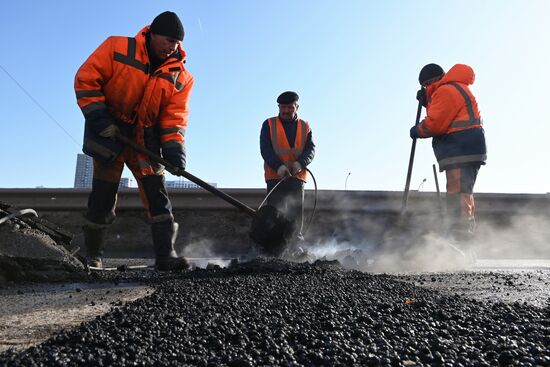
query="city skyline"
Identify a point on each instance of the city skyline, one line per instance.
(84, 177)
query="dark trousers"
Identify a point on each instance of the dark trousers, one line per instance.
(460, 200)
(288, 198)
(102, 199)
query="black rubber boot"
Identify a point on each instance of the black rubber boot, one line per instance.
(462, 236)
(94, 240)
(164, 237)
(463, 230)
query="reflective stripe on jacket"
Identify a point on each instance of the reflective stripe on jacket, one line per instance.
(454, 121)
(115, 80)
(282, 147)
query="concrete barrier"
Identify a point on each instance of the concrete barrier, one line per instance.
(514, 224)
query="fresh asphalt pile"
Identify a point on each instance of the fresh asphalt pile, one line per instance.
(35, 250)
(532, 287)
(271, 312)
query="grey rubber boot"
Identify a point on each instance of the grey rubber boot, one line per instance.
(472, 253)
(94, 241)
(164, 237)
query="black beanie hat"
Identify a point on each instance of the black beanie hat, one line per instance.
(168, 24)
(288, 97)
(430, 71)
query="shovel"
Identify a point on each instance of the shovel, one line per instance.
(402, 219)
(411, 162)
(269, 226)
(400, 233)
(403, 231)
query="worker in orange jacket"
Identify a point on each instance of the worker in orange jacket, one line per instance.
(287, 147)
(454, 122)
(136, 86)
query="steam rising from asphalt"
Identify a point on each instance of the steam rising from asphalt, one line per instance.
(419, 245)
(201, 253)
(428, 253)
(200, 248)
(522, 236)
(375, 242)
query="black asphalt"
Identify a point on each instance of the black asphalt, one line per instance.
(271, 312)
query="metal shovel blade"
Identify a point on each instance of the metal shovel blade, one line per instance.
(270, 230)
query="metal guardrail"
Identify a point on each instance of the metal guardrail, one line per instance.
(328, 200)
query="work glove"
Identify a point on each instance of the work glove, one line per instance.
(295, 167)
(109, 132)
(99, 120)
(175, 170)
(414, 132)
(421, 96)
(176, 167)
(283, 171)
(177, 158)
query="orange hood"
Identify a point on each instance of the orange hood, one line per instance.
(459, 73)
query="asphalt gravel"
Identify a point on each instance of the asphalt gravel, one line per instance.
(271, 312)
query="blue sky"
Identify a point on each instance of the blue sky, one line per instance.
(354, 63)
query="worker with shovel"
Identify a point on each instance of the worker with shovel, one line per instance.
(454, 122)
(137, 87)
(287, 148)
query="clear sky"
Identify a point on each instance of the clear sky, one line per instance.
(354, 64)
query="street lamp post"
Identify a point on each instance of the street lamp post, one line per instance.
(421, 184)
(346, 183)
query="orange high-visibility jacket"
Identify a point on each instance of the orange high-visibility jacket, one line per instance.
(282, 147)
(447, 109)
(454, 121)
(116, 78)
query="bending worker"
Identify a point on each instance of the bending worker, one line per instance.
(454, 122)
(138, 87)
(287, 148)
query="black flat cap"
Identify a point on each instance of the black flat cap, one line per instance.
(288, 97)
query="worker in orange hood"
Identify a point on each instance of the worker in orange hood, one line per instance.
(454, 122)
(138, 87)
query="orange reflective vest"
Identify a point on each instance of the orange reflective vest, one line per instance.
(282, 148)
(116, 78)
